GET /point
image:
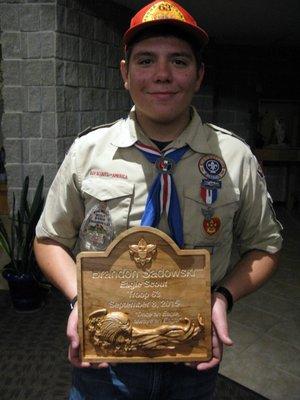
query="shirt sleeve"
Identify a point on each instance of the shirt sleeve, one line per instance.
(256, 226)
(64, 208)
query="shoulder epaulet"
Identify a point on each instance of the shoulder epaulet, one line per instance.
(217, 128)
(94, 128)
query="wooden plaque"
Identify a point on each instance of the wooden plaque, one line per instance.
(144, 300)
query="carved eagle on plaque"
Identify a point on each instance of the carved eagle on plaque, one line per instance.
(142, 253)
(114, 331)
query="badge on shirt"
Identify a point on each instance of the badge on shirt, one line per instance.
(211, 226)
(209, 196)
(210, 184)
(96, 231)
(208, 213)
(165, 165)
(212, 167)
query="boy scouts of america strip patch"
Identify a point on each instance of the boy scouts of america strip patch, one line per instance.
(212, 167)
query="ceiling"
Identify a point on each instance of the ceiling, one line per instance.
(243, 22)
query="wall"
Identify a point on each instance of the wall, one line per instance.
(28, 51)
(238, 78)
(60, 68)
(89, 89)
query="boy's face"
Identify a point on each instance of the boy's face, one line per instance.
(162, 77)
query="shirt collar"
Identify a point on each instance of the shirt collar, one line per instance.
(195, 135)
(130, 132)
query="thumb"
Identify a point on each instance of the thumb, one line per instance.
(72, 326)
(219, 319)
(221, 327)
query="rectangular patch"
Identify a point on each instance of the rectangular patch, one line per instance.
(117, 175)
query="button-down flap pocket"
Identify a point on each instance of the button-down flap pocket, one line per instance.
(224, 195)
(104, 189)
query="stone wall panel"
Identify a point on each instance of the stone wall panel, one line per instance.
(12, 45)
(31, 72)
(71, 98)
(85, 75)
(48, 73)
(14, 99)
(11, 125)
(31, 125)
(48, 98)
(35, 150)
(29, 17)
(47, 44)
(13, 148)
(48, 17)
(11, 70)
(9, 17)
(71, 74)
(49, 151)
(72, 21)
(49, 125)
(34, 98)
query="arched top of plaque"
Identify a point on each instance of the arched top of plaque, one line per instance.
(143, 242)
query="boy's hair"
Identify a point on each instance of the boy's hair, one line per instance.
(165, 31)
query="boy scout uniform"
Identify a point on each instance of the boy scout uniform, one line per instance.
(222, 193)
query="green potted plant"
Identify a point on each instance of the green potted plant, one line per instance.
(17, 242)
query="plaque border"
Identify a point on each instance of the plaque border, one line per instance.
(105, 254)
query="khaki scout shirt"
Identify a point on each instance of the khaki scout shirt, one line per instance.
(104, 166)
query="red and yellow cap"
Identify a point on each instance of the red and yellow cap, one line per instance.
(165, 13)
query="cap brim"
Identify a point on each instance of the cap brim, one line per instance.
(197, 33)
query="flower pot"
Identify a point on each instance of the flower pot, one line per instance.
(26, 294)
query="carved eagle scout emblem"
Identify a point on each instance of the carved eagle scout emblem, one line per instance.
(142, 253)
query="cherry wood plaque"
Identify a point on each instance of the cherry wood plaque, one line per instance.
(144, 300)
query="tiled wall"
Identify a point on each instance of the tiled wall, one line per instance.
(60, 70)
(61, 74)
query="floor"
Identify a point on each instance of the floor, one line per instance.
(265, 327)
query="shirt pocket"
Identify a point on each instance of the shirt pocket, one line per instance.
(221, 213)
(117, 196)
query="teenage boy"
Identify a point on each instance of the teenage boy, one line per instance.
(218, 195)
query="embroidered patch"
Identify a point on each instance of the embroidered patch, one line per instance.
(163, 10)
(209, 184)
(98, 172)
(211, 226)
(212, 167)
